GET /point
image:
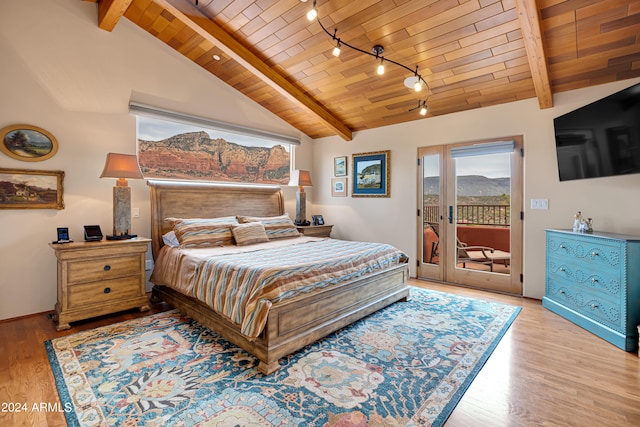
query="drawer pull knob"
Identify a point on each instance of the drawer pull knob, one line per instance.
(594, 254)
(562, 246)
(107, 267)
(594, 305)
(562, 292)
(107, 290)
(562, 269)
(594, 280)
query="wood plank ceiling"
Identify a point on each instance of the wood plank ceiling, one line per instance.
(471, 53)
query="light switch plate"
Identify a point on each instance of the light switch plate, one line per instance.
(539, 203)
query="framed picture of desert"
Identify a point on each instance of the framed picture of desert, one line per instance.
(27, 143)
(31, 189)
(371, 174)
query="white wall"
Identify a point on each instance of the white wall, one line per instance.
(62, 73)
(612, 202)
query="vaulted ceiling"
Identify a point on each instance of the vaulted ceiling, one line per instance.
(470, 53)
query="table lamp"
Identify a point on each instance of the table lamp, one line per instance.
(121, 166)
(301, 179)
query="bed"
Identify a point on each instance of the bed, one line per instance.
(291, 323)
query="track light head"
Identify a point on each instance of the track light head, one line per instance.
(312, 14)
(336, 50)
(423, 110)
(380, 69)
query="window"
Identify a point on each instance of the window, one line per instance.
(176, 146)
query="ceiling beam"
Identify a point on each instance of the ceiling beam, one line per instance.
(209, 30)
(110, 12)
(529, 18)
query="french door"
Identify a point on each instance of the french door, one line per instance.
(469, 216)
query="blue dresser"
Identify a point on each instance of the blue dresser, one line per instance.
(593, 280)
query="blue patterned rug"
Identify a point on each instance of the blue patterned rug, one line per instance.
(406, 365)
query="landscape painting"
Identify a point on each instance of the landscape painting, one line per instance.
(173, 150)
(371, 174)
(31, 189)
(27, 143)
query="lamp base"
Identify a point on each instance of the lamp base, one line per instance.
(122, 237)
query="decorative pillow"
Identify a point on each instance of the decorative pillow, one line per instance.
(170, 239)
(203, 232)
(225, 219)
(249, 233)
(276, 227)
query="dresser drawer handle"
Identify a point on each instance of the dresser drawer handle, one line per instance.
(594, 305)
(107, 290)
(594, 254)
(594, 280)
(563, 247)
(107, 267)
(562, 292)
(563, 269)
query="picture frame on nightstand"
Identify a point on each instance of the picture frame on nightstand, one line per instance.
(317, 220)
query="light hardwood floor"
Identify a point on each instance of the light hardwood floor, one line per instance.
(546, 371)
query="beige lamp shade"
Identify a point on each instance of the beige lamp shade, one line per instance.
(300, 178)
(121, 166)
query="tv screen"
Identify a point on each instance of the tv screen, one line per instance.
(600, 139)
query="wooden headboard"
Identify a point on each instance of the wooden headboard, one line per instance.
(205, 200)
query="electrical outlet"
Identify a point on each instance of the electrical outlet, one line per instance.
(148, 264)
(135, 212)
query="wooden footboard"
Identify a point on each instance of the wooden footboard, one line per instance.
(294, 323)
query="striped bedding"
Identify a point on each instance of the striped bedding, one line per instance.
(242, 286)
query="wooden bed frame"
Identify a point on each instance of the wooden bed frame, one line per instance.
(293, 323)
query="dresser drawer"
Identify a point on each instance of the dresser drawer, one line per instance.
(589, 252)
(606, 282)
(102, 269)
(602, 309)
(82, 295)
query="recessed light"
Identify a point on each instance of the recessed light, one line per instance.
(217, 57)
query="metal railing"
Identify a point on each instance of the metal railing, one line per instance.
(496, 215)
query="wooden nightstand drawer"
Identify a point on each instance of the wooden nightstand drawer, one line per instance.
(104, 291)
(102, 269)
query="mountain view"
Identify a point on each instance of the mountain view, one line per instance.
(196, 155)
(472, 186)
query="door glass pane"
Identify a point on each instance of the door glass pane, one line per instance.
(431, 209)
(483, 207)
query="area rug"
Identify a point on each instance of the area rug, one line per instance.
(406, 365)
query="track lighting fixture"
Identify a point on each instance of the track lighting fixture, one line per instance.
(336, 50)
(313, 13)
(422, 108)
(415, 82)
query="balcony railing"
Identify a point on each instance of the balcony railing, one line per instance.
(496, 215)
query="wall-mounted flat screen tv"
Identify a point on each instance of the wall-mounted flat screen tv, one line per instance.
(600, 139)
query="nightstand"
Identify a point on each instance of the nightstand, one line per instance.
(96, 278)
(315, 230)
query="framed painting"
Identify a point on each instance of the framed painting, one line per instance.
(340, 166)
(339, 187)
(31, 189)
(27, 143)
(371, 174)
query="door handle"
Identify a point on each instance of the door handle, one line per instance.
(450, 214)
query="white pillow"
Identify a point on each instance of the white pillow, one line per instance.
(170, 239)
